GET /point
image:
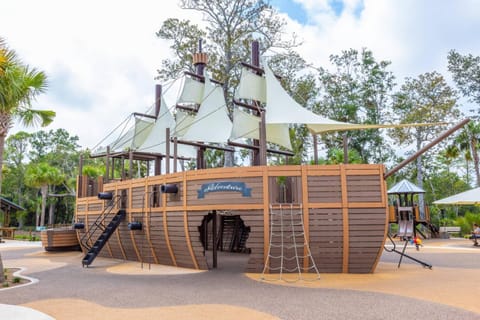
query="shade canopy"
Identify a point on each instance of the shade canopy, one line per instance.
(403, 187)
(470, 197)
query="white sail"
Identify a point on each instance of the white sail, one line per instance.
(192, 91)
(251, 86)
(211, 123)
(282, 108)
(133, 138)
(183, 122)
(246, 126)
(156, 141)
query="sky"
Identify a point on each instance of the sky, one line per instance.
(101, 57)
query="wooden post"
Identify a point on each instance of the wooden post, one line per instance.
(200, 61)
(113, 168)
(79, 180)
(123, 167)
(214, 239)
(158, 166)
(315, 149)
(158, 99)
(130, 162)
(263, 140)
(345, 148)
(175, 154)
(107, 164)
(167, 150)
(255, 61)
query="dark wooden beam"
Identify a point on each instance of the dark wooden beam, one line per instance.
(252, 147)
(178, 106)
(202, 145)
(417, 154)
(138, 114)
(253, 107)
(202, 78)
(256, 68)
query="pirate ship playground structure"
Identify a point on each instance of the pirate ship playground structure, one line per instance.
(287, 218)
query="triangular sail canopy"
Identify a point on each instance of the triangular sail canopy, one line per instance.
(211, 123)
(156, 140)
(133, 138)
(246, 126)
(183, 122)
(192, 91)
(282, 108)
(251, 86)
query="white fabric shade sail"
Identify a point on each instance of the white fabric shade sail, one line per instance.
(211, 123)
(246, 125)
(156, 142)
(470, 197)
(192, 91)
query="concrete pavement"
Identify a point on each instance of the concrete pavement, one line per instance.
(114, 289)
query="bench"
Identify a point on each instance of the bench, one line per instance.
(7, 232)
(445, 232)
(450, 229)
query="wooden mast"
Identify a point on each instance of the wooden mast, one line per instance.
(200, 60)
(260, 154)
(158, 102)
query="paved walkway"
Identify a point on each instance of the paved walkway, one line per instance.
(113, 289)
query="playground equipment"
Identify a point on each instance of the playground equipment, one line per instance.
(342, 207)
(407, 216)
(403, 254)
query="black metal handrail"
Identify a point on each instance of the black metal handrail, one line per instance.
(98, 224)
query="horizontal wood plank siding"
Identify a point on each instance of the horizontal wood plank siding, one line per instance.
(254, 220)
(326, 239)
(159, 242)
(178, 241)
(367, 234)
(324, 189)
(357, 216)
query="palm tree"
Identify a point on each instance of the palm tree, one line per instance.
(19, 86)
(42, 176)
(467, 142)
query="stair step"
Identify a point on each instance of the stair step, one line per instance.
(104, 236)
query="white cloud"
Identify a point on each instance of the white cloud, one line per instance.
(102, 56)
(414, 35)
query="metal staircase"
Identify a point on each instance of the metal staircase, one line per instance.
(105, 232)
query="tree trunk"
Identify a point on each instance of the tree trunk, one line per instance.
(421, 201)
(51, 214)
(37, 216)
(476, 160)
(44, 191)
(2, 145)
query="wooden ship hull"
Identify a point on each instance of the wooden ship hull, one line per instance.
(343, 209)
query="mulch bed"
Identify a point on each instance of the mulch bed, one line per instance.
(11, 280)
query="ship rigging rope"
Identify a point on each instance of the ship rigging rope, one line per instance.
(160, 116)
(168, 86)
